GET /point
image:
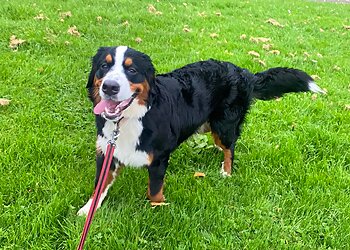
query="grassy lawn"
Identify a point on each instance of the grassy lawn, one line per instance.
(291, 187)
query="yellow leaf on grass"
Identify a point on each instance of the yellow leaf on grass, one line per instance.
(199, 174)
(259, 39)
(73, 31)
(15, 42)
(4, 102)
(158, 204)
(138, 39)
(274, 22)
(254, 53)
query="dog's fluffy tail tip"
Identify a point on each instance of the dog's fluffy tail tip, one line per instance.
(313, 87)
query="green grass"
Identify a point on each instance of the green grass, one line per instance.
(291, 189)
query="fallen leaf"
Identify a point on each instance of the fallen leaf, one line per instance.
(4, 102)
(336, 67)
(316, 77)
(158, 204)
(126, 23)
(218, 13)
(202, 14)
(292, 54)
(274, 22)
(259, 39)
(314, 61)
(254, 53)
(138, 39)
(66, 43)
(40, 17)
(64, 15)
(306, 54)
(261, 62)
(347, 106)
(319, 55)
(243, 36)
(314, 96)
(267, 46)
(99, 19)
(186, 29)
(347, 27)
(151, 9)
(275, 52)
(214, 35)
(199, 174)
(321, 30)
(277, 146)
(15, 42)
(184, 4)
(73, 31)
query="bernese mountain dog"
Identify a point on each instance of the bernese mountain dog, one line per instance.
(158, 112)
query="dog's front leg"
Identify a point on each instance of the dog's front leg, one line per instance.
(112, 174)
(156, 173)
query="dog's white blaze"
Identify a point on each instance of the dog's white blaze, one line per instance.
(130, 129)
(315, 88)
(85, 209)
(117, 74)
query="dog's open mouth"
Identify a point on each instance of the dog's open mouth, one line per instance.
(112, 109)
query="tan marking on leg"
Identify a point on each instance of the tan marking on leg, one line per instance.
(109, 58)
(159, 197)
(227, 164)
(128, 62)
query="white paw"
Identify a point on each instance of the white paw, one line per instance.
(223, 172)
(85, 209)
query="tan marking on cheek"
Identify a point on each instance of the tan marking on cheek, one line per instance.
(96, 90)
(109, 58)
(143, 90)
(128, 62)
(150, 158)
(227, 154)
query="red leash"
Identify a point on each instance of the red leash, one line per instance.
(99, 187)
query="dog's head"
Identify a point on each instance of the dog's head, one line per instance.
(120, 79)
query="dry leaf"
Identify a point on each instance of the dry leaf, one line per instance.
(261, 62)
(64, 15)
(214, 35)
(347, 27)
(186, 29)
(73, 31)
(313, 97)
(275, 52)
(66, 43)
(158, 204)
(151, 9)
(138, 39)
(218, 13)
(243, 36)
(306, 54)
(321, 30)
(347, 106)
(40, 17)
(319, 55)
(4, 102)
(202, 14)
(199, 174)
(336, 67)
(267, 46)
(259, 39)
(292, 54)
(316, 77)
(15, 42)
(99, 19)
(126, 23)
(274, 22)
(185, 4)
(314, 61)
(254, 53)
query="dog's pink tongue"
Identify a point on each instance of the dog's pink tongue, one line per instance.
(103, 104)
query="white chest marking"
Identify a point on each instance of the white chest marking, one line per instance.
(130, 129)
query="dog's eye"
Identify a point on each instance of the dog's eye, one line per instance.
(131, 70)
(104, 66)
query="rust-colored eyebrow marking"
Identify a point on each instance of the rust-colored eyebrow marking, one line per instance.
(109, 58)
(128, 61)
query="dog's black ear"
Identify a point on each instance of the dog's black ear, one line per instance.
(95, 64)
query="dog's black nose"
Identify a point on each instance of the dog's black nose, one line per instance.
(110, 87)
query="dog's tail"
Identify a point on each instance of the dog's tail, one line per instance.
(275, 82)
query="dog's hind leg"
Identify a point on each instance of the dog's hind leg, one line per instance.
(112, 174)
